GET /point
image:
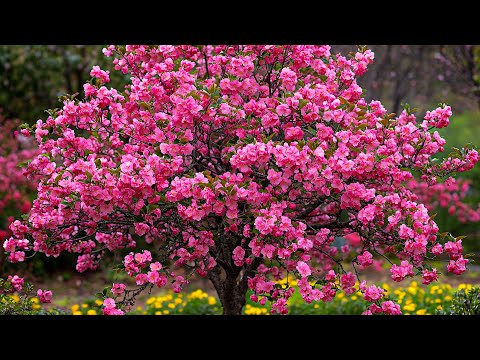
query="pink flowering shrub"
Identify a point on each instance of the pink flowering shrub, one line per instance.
(242, 164)
(15, 189)
(450, 194)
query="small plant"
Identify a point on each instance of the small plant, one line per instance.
(465, 302)
(17, 298)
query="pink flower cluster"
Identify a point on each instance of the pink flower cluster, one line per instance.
(243, 163)
(45, 296)
(439, 117)
(16, 281)
(401, 272)
(110, 307)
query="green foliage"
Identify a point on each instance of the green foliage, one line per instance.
(34, 76)
(465, 302)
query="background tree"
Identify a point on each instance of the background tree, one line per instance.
(34, 76)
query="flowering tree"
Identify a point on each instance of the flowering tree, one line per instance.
(240, 163)
(15, 189)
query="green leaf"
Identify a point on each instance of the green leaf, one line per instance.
(89, 175)
(57, 179)
(302, 103)
(442, 235)
(144, 105)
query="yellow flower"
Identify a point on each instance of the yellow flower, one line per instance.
(36, 306)
(439, 307)
(341, 295)
(178, 301)
(91, 312)
(98, 302)
(414, 284)
(421, 312)
(171, 306)
(151, 300)
(166, 312)
(75, 307)
(412, 290)
(77, 313)
(354, 297)
(35, 300)
(212, 300)
(15, 298)
(158, 305)
(410, 307)
(158, 313)
(255, 311)
(84, 306)
(139, 308)
(386, 287)
(198, 294)
(316, 306)
(438, 301)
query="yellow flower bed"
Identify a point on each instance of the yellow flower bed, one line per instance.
(415, 299)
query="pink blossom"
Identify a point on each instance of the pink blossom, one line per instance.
(118, 289)
(365, 259)
(141, 229)
(238, 255)
(17, 282)
(293, 133)
(457, 266)
(109, 303)
(400, 272)
(45, 296)
(390, 308)
(283, 110)
(437, 249)
(373, 293)
(429, 276)
(303, 269)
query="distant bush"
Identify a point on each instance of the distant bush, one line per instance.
(465, 302)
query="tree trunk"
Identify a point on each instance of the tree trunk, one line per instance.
(231, 289)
